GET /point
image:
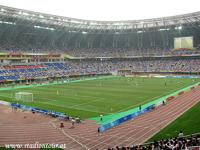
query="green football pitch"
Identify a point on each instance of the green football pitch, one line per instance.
(86, 99)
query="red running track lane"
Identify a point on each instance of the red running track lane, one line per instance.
(24, 127)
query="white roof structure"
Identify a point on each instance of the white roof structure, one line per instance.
(81, 25)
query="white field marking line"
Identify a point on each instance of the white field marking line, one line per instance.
(37, 92)
(74, 97)
(33, 94)
(167, 123)
(159, 96)
(46, 100)
(67, 135)
(49, 99)
(75, 108)
(78, 97)
(36, 99)
(91, 96)
(86, 103)
(157, 118)
(64, 95)
(5, 96)
(172, 118)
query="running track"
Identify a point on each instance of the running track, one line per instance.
(24, 127)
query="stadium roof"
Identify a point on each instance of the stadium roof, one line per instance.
(107, 10)
(16, 15)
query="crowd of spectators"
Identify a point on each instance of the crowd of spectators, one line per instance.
(135, 65)
(73, 67)
(100, 52)
(178, 143)
(129, 52)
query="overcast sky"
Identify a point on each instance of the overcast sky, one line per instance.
(108, 9)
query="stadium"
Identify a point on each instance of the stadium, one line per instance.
(78, 84)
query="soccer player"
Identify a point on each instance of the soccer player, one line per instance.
(101, 117)
(140, 107)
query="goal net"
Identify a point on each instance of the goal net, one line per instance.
(24, 96)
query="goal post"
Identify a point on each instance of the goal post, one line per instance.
(24, 96)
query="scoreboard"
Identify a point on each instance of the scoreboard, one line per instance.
(183, 42)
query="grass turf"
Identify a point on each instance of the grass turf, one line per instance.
(189, 123)
(101, 96)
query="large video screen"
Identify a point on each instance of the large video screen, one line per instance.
(183, 42)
